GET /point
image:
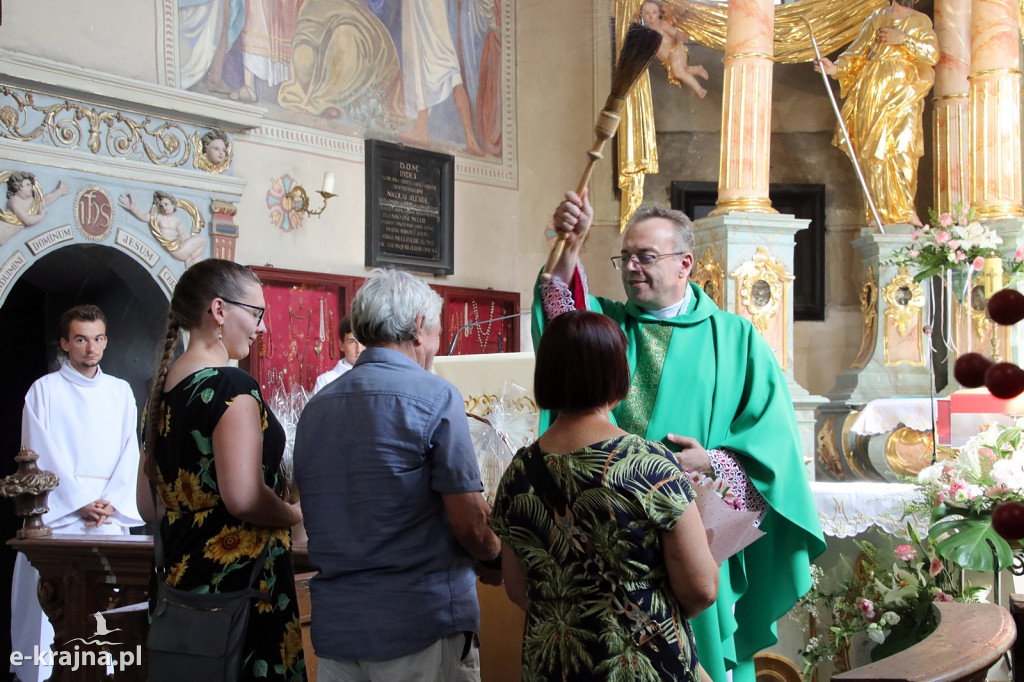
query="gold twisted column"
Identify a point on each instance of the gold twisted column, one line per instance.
(994, 102)
(953, 30)
(746, 109)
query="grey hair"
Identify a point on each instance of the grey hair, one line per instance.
(386, 307)
(682, 226)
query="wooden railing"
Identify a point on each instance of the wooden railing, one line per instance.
(969, 640)
(83, 574)
(80, 575)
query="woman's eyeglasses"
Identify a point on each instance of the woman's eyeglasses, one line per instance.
(258, 311)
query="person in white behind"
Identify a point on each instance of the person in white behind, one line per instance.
(350, 350)
(82, 423)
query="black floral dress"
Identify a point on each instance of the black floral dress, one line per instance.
(623, 493)
(206, 549)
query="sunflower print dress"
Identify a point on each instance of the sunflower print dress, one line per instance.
(623, 493)
(206, 549)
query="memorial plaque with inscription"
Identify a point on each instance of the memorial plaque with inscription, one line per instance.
(409, 208)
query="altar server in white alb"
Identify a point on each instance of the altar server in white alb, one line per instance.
(82, 424)
(350, 351)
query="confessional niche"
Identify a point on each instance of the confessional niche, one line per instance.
(135, 304)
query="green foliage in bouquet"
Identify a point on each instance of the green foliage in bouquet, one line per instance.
(963, 488)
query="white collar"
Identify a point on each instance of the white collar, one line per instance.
(77, 378)
(673, 310)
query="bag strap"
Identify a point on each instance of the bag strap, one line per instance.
(645, 631)
(161, 568)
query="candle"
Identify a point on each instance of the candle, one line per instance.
(992, 276)
(328, 183)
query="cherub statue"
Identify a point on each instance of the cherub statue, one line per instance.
(214, 151)
(673, 53)
(24, 209)
(167, 228)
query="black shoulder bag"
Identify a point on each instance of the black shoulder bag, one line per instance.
(198, 636)
(645, 631)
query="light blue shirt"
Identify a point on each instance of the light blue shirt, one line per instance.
(374, 452)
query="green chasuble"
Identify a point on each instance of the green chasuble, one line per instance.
(709, 375)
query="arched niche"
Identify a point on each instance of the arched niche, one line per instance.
(135, 305)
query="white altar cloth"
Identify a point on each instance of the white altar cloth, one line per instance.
(848, 509)
(885, 414)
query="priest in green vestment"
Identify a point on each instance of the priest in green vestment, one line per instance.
(706, 383)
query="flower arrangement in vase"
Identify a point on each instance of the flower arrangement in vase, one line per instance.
(888, 599)
(950, 241)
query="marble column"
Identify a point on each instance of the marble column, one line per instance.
(953, 28)
(994, 101)
(746, 109)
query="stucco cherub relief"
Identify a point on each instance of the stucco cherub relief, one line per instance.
(183, 244)
(26, 203)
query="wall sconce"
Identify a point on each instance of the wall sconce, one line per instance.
(300, 198)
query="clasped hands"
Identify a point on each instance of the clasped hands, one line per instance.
(97, 513)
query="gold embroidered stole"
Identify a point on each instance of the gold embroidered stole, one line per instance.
(651, 343)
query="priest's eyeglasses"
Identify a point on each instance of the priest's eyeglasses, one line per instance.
(642, 259)
(258, 314)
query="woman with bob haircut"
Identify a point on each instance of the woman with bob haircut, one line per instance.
(624, 510)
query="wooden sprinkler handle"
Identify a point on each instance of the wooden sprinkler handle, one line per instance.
(604, 130)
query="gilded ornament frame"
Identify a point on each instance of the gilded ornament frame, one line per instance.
(902, 312)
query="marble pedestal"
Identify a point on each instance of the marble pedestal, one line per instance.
(894, 360)
(744, 261)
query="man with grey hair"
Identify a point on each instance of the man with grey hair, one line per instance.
(705, 383)
(392, 503)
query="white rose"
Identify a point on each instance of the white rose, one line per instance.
(1009, 472)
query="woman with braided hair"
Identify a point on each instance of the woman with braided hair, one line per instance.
(213, 450)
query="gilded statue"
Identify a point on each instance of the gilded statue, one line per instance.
(884, 75)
